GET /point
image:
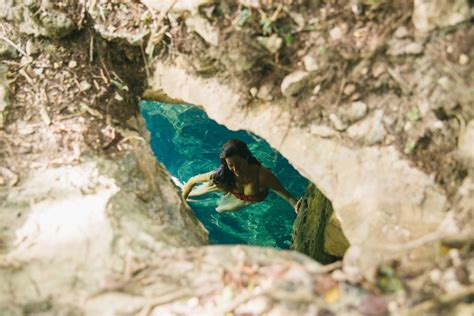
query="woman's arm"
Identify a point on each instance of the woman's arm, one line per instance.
(194, 180)
(274, 184)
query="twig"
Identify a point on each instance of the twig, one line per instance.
(442, 301)
(14, 45)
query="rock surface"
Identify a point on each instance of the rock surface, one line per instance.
(316, 231)
(428, 14)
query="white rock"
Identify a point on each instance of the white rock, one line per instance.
(401, 32)
(253, 91)
(369, 131)
(310, 63)
(463, 59)
(355, 112)
(322, 131)
(337, 122)
(404, 47)
(316, 89)
(293, 83)
(349, 89)
(84, 85)
(264, 92)
(430, 14)
(271, 43)
(202, 27)
(72, 64)
(466, 144)
(336, 33)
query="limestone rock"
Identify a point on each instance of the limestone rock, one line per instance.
(202, 27)
(322, 131)
(355, 112)
(466, 144)
(316, 231)
(337, 122)
(265, 92)
(4, 96)
(293, 83)
(48, 23)
(430, 14)
(369, 131)
(404, 47)
(271, 43)
(310, 63)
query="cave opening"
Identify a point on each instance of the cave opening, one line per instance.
(188, 142)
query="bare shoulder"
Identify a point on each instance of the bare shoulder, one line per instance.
(266, 176)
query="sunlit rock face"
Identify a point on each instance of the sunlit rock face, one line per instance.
(377, 195)
(74, 227)
(317, 232)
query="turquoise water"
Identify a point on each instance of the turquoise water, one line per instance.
(187, 142)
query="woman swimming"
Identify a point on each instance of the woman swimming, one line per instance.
(241, 177)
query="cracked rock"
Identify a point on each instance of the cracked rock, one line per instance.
(369, 131)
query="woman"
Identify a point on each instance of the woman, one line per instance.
(241, 176)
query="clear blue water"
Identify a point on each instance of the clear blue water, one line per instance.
(188, 142)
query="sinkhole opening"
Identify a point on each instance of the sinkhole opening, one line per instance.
(188, 143)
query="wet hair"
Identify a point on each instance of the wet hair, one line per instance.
(222, 176)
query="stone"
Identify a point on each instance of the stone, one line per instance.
(355, 112)
(48, 23)
(4, 96)
(369, 131)
(337, 122)
(293, 83)
(310, 63)
(466, 144)
(31, 48)
(463, 59)
(336, 33)
(84, 85)
(322, 130)
(349, 89)
(316, 231)
(198, 24)
(404, 47)
(265, 92)
(316, 89)
(401, 32)
(72, 64)
(430, 14)
(253, 91)
(271, 43)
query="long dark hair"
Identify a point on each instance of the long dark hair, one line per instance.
(223, 177)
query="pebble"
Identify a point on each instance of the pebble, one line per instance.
(310, 63)
(463, 59)
(316, 89)
(401, 32)
(336, 121)
(72, 64)
(293, 83)
(336, 33)
(253, 91)
(349, 89)
(84, 85)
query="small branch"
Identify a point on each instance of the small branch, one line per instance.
(14, 45)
